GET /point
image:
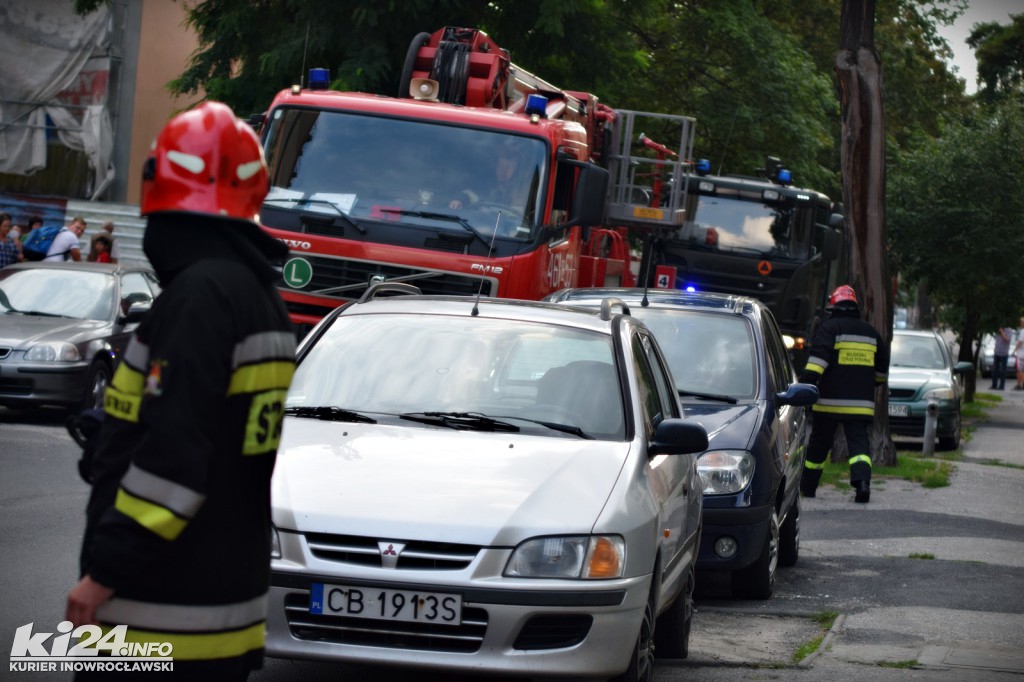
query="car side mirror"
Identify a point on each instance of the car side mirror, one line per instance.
(962, 367)
(678, 437)
(136, 311)
(798, 394)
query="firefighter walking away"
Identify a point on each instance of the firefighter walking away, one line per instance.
(848, 359)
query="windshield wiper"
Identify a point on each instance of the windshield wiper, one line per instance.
(40, 313)
(430, 215)
(555, 426)
(460, 420)
(329, 413)
(683, 393)
(340, 216)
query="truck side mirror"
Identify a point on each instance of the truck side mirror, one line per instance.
(836, 221)
(588, 199)
(829, 243)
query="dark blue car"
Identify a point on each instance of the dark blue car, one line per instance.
(734, 376)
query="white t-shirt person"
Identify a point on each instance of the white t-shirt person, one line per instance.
(64, 247)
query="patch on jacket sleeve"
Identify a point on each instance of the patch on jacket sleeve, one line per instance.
(154, 379)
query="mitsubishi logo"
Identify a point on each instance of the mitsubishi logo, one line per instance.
(389, 552)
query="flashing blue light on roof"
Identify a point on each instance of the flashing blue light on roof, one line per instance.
(703, 167)
(537, 104)
(784, 176)
(319, 79)
(689, 288)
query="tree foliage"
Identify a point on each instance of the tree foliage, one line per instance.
(957, 220)
(1000, 54)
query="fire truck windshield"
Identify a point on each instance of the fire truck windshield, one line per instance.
(749, 227)
(370, 169)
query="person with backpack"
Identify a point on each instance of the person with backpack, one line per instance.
(65, 244)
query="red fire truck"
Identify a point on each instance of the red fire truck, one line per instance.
(480, 178)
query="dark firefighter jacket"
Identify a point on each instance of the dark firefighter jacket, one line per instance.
(848, 359)
(178, 522)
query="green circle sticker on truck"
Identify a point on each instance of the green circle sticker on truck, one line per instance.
(297, 272)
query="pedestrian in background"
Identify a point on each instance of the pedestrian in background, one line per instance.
(1018, 353)
(99, 249)
(1004, 336)
(848, 359)
(10, 248)
(33, 222)
(115, 249)
(65, 244)
(177, 539)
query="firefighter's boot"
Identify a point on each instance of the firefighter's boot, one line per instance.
(863, 491)
(809, 482)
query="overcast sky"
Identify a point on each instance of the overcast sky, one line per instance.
(978, 11)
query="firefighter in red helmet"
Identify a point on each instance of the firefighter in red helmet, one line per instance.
(177, 539)
(848, 359)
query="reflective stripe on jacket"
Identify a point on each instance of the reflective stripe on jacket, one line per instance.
(179, 517)
(848, 358)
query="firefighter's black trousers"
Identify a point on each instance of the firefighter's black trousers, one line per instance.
(823, 432)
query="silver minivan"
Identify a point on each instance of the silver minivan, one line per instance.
(492, 486)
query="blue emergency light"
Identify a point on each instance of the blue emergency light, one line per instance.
(784, 176)
(537, 105)
(319, 79)
(703, 167)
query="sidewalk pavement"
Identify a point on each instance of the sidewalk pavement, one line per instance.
(950, 643)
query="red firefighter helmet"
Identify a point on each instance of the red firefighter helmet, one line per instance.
(205, 161)
(843, 294)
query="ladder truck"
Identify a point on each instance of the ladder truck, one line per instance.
(416, 188)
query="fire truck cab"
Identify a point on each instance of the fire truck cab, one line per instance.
(480, 179)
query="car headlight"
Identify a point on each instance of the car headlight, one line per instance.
(725, 471)
(940, 394)
(60, 351)
(589, 557)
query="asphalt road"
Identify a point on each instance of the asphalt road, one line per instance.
(868, 563)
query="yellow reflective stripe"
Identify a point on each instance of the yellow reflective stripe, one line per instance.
(812, 465)
(128, 379)
(121, 405)
(860, 458)
(152, 517)
(837, 410)
(811, 367)
(265, 376)
(855, 345)
(204, 647)
(263, 428)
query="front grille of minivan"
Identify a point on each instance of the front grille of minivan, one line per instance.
(464, 638)
(363, 551)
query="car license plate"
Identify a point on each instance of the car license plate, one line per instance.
(899, 410)
(403, 605)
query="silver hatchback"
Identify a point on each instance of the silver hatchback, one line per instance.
(491, 486)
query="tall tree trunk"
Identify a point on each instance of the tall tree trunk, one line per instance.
(859, 69)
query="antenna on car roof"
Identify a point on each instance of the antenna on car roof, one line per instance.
(490, 250)
(647, 271)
